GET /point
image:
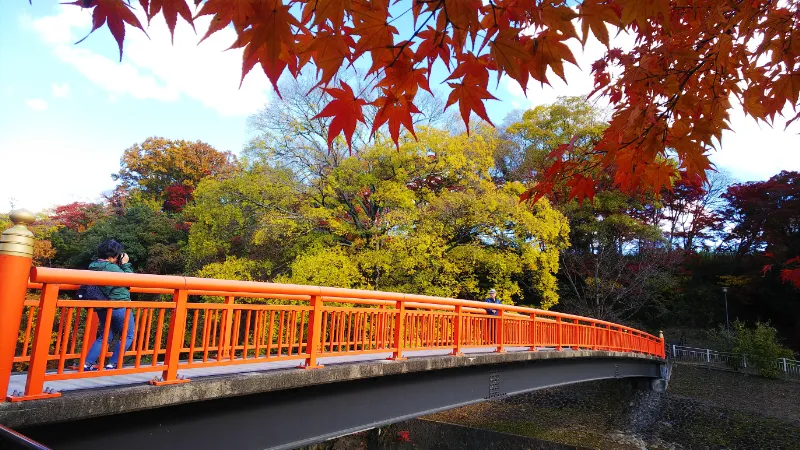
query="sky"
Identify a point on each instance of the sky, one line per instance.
(69, 110)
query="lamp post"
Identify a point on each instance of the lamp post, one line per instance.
(727, 322)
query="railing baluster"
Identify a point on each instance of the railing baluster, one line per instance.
(532, 335)
(64, 340)
(86, 338)
(227, 317)
(558, 332)
(104, 348)
(457, 324)
(123, 338)
(500, 323)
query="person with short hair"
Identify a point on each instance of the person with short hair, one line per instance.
(111, 258)
(492, 299)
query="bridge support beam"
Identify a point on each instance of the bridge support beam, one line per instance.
(297, 417)
(16, 253)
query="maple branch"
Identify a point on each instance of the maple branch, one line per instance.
(416, 32)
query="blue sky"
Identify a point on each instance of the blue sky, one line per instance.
(69, 111)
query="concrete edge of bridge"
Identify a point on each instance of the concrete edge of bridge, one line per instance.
(82, 404)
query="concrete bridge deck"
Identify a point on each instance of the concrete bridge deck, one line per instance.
(18, 380)
(101, 396)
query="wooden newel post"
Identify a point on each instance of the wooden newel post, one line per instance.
(314, 336)
(16, 253)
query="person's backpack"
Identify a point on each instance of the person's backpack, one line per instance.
(90, 292)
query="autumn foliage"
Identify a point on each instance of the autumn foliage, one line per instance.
(671, 92)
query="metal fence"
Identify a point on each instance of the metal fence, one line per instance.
(789, 368)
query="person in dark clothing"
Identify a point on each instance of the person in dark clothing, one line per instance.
(111, 258)
(492, 299)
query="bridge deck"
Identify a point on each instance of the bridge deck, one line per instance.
(18, 380)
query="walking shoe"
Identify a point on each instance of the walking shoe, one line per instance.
(89, 367)
(110, 366)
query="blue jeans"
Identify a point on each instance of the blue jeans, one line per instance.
(117, 323)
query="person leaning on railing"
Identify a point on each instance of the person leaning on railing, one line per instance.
(111, 258)
(492, 299)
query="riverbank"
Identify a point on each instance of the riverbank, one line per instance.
(702, 409)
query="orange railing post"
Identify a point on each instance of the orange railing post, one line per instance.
(16, 252)
(314, 333)
(532, 347)
(34, 386)
(457, 331)
(227, 334)
(175, 337)
(558, 332)
(399, 331)
(500, 336)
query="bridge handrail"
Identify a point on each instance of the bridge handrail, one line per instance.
(175, 335)
(47, 275)
(789, 367)
(162, 291)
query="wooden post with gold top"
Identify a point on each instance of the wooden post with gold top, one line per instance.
(16, 253)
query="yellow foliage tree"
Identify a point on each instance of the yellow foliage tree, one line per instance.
(427, 219)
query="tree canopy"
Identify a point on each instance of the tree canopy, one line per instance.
(671, 92)
(167, 171)
(441, 215)
(426, 218)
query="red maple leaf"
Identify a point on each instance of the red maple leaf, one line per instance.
(240, 12)
(397, 111)
(581, 187)
(346, 110)
(114, 12)
(469, 98)
(171, 9)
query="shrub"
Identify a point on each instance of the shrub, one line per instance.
(761, 347)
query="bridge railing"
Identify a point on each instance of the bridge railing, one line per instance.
(265, 322)
(706, 357)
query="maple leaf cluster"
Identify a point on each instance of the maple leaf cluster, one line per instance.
(671, 93)
(177, 197)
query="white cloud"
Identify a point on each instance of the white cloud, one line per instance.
(34, 187)
(60, 90)
(750, 151)
(36, 104)
(156, 69)
(581, 81)
(756, 151)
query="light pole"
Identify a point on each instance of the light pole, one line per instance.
(727, 322)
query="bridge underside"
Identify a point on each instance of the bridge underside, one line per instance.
(289, 418)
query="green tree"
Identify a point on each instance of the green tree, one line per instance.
(151, 238)
(425, 219)
(529, 141)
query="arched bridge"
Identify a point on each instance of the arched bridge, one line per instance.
(220, 363)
